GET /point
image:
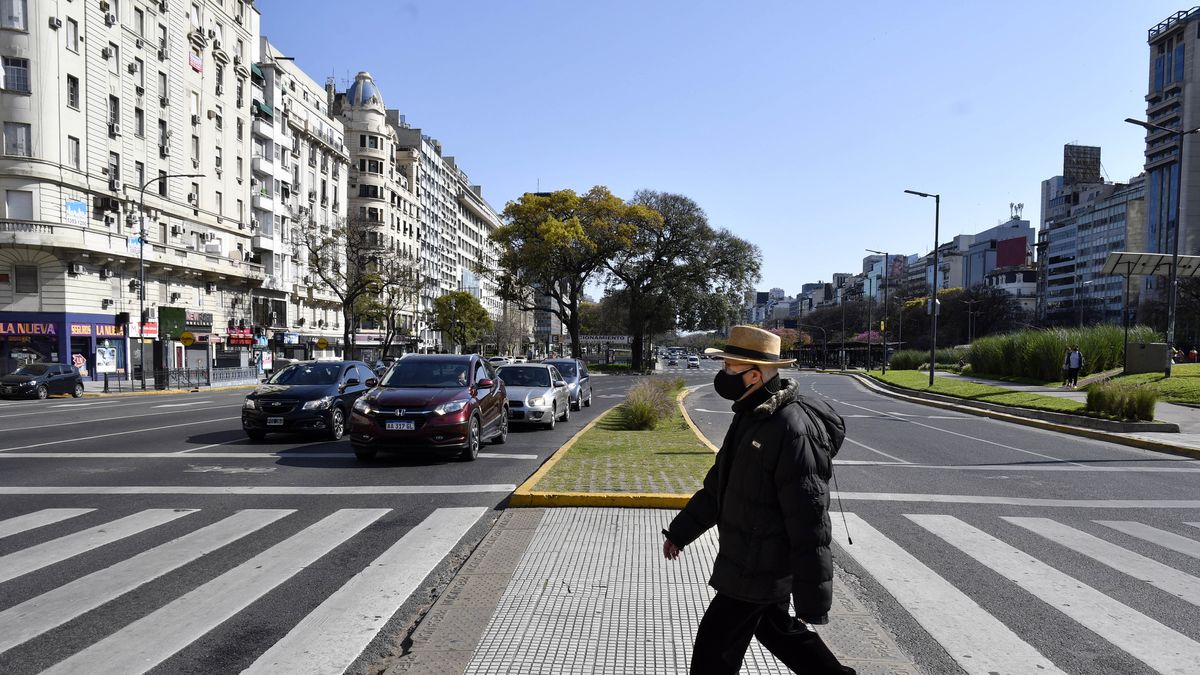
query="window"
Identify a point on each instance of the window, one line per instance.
(26, 278)
(219, 120)
(139, 172)
(220, 204)
(162, 83)
(218, 157)
(241, 89)
(195, 148)
(241, 126)
(16, 139)
(240, 171)
(114, 166)
(114, 110)
(241, 209)
(194, 15)
(141, 73)
(73, 158)
(220, 77)
(195, 102)
(73, 35)
(73, 91)
(139, 122)
(114, 59)
(139, 21)
(162, 132)
(16, 74)
(18, 204)
(13, 14)
(162, 183)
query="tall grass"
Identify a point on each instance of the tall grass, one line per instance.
(649, 402)
(1038, 354)
(1123, 401)
(913, 359)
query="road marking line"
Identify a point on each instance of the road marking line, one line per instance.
(211, 445)
(34, 558)
(261, 490)
(118, 419)
(334, 634)
(719, 412)
(47, 410)
(118, 433)
(1175, 542)
(1147, 640)
(35, 616)
(864, 462)
(152, 639)
(878, 452)
(504, 455)
(37, 519)
(1009, 501)
(285, 454)
(79, 405)
(181, 405)
(1163, 577)
(975, 639)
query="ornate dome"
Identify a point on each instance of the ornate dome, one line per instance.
(364, 92)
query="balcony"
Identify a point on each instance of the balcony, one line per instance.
(262, 127)
(263, 201)
(262, 164)
(263, 243)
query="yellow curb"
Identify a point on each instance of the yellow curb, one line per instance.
(1144, 444)
(696, 430)
(164, 392)
(527, 487)
(609, 499)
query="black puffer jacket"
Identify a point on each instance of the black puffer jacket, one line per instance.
(769, 498)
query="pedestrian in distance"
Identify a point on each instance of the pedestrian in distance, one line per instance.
(1073, 363)
(768, 495)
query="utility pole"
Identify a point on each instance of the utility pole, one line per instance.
(933, 301)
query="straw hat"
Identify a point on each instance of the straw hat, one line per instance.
(749, 344)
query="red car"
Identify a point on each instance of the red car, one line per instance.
(432, 402)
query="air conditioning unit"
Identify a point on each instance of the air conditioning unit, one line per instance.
(220, 89)
(216, 44)
(210, 286)
(139, 90)
(75, 268)
(55, 22)
(164, 151)
(175, 297)
(104, 6)
(163, 101)
(139, 43)
(237, 59)
(110, 220)
(106, 273)
(114, 185)
(133, 67)
(177, 230)
(162, 54)
(212, 114)
(191, 198)
(106, 52)
(114, 129)
(195, 120)
(212, 34)
(110, 19)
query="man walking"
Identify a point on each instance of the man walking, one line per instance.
(768, 495)
(1074, 363)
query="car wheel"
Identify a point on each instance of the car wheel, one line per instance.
(471, 452)
(255, 434)
(567, 411)
(588, 402)
(78, 390)
(502, 437)
(42, 391)
(553, 418)
(337, 424)
(363, 454)
(577, 403)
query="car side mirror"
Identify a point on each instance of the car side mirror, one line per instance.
(372, 382)
(560, 384)
(352, 382)
(486, 383)
(265, 380)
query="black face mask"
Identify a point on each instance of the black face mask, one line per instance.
(730, 387)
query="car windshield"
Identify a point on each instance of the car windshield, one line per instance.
(308, 373)
(525, 377)
(567, 369)
(413, 373)
(32, 369)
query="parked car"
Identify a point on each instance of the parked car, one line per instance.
(311, 397)
(39, 380)
(537, 394)
(579, 381)
(498, 361)
(519, 359)
(693, 362)
(432, 402)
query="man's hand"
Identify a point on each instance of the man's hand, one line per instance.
(670, 550)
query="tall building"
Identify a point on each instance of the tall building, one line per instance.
(100, 99)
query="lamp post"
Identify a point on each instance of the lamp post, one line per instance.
(883, 332)
(142, 267)
(824, 341)
(1174, 279)
(842, 358)
(933, 302)
(971, 318)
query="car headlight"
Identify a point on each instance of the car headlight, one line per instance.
(363, 406)
(537, 400)
(318, 404)
(451, 406)
(250, 404)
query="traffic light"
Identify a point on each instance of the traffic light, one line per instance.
(145, 316)
(122, 318)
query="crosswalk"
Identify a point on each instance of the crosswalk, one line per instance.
(980, 642)
(328, 639)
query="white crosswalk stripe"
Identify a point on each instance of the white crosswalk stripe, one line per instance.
(36, 557)
(1147, 640)
(38, 615)
(1170, 540)
(145, 643)
(37, 519)
(332, 636)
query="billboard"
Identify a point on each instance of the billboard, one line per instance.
(1081, 164)
(1011, 252)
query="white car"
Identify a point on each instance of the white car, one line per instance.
(498, 361)
(537, 394)
(693, 362)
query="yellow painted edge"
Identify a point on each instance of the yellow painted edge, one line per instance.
(601, 499)
(527, 486)
(164, 392)
(1144, 444)
(696, 430)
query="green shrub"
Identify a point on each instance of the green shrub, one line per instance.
(1123, 401)
(911, 359)
(650, 401)
(1038, 354)
(966, 370)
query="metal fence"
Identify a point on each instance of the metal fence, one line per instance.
(181, 378)
(223, 377)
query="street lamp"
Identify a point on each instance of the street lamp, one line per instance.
(971, 318)
(142, 267)
(824, 342)
(1174, 280)
(933, 303)
(882, 333)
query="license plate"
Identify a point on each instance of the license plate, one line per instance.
(274, 421)
(401, 425)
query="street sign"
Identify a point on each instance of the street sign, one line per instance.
(322, 343)
(106, 359)
(187, 339)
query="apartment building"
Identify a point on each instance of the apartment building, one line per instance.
(106, 106)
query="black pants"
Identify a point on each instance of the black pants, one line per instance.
(1072, 376)
(726, 629)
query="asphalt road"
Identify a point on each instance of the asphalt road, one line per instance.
(993, 547)
(148, 533)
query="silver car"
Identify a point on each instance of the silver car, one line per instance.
(579, 380)
(537, 394)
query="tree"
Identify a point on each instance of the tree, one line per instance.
(676, 264)
(459, 315)
(400, 281)
(788, 338)
(509, 331)
(344, 259)
(555, 243)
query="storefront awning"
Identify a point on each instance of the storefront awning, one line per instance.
(256, 71)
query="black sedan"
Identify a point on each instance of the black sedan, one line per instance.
(39, 380)
(309, 397)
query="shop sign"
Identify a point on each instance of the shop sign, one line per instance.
(133, 245)
(75, 213)
(287, 338)
(81, 329)
(109, 330)
(187, 339)
(25, 328)
(240, 337)
(194, 318)
(260, 342)
(144, 330)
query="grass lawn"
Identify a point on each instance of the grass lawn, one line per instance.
(608, 458)
(1182, 387)
(919, 381)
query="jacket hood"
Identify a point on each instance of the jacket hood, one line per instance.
(820, 412)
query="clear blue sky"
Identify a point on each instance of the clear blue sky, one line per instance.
(796, 125)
